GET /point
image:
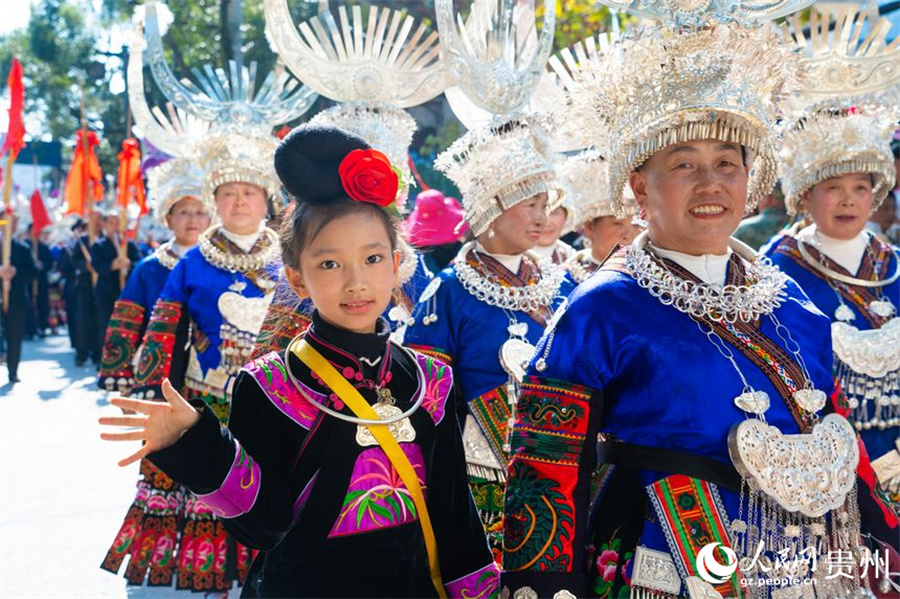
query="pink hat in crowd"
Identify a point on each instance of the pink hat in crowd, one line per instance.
(435, 220)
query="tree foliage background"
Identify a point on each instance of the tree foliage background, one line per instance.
(72, 50)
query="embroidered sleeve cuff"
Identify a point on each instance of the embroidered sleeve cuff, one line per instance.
(239, 490)
(531, 585)
(480, 583)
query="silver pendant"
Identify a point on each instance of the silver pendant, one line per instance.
(755, 402)
(515, 354)
(811, 400)
(791, 468)
(517, 329)
(402, 430)
(882, 308)
(844, 314)
(430, 290)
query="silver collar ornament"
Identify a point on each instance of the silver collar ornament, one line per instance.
(730, 303)
(534, 297)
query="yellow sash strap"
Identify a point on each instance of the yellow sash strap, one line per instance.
(351, 397)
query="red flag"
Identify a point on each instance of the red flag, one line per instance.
(84, 172)
(15, 135)
(130, 180)
(39, 218)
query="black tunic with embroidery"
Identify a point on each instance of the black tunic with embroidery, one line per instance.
(328, 512)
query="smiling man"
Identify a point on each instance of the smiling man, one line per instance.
(644, 427)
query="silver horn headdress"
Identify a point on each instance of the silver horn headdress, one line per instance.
(847, 111)
(498, 59)
(228, 120)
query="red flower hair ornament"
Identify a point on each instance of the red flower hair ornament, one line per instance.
(367, 176)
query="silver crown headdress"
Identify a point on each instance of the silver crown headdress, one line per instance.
(848, 109)
(238, 146)
(584, 177)
(498, 60)
(174, 180)
(555, 91)
(499, 165)
(377, 61)
(709, 73)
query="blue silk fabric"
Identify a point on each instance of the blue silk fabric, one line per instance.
(198, 285)
(783, 253)
(469, 333)
(145, 284)
(664, 384)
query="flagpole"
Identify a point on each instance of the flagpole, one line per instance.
(87, 191)
(34, 238)
(7, 226)
(123, 214)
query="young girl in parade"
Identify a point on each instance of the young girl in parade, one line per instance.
(342, 460)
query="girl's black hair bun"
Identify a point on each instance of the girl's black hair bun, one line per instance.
(307, 161)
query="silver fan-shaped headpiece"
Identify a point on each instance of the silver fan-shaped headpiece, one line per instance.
(218, 97)
(373, 60)
(496, 55)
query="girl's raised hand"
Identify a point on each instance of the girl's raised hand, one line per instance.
(158, 424)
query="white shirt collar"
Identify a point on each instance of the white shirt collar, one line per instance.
(709, 268)
(245, 242)
(512, 262)
(846, 252)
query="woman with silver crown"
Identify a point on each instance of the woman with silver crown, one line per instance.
(175, 191)
(837, 167)
(583, 176)
(483, 313)
(691, 440)
(206, 320)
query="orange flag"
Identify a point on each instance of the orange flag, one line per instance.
(15, 135)
(84, 173)
(130, 180)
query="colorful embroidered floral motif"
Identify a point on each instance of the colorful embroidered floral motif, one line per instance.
(549, 434)
(435, 352)
(283, 322)
(123, 335)
(238, 492)
(270, 373)
(159, 341)
(438, 384)
(690, 513)
(480, 584)
(609, 563)
(377, 498)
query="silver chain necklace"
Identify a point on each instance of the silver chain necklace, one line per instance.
(731, 303)
(166, 255)
(242, 263)
(529, 298)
